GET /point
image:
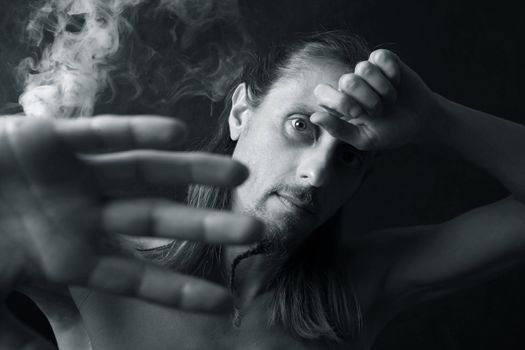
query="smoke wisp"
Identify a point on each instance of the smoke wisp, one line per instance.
(85, 47)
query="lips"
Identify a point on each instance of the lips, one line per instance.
(304, 205)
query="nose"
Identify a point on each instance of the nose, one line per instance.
(315, 166)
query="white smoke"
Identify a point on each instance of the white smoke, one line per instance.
(75, 67)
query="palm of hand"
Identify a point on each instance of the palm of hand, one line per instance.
(51, 195)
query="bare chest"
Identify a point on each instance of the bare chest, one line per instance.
(116, 323)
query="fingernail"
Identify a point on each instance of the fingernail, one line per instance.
(318, 90)
(314, 118)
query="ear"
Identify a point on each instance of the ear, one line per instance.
(239, 113)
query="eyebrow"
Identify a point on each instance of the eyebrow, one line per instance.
(301, 108)
(344, 145)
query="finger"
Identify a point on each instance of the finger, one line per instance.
(338, 128)
(337, 102)
(132, 169)
(135, 278)
(357, 88)
(376, 79)
(119, 133)
(152, 217)
(15, 335)
(44, 159)
(388, 62)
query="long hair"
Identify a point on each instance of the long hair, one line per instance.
(312, 298)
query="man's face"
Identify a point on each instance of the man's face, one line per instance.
(299, 174)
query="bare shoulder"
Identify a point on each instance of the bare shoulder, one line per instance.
(372, 256)
(368, 266)
(397, 268)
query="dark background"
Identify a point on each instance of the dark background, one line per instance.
(470, 52)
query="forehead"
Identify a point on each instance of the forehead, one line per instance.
(296, 87)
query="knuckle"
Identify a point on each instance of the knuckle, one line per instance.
(381, 55)
(338, 103)
(136, 163)
(173, 131)
(155, 217)
(364, 68)
(162, 131)
(101, 122)
(350, 82)
(182, 296)
(343, 78)
(385, 89)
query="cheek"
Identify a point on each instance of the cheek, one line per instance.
(249, 152)
(251, 147)
(255, 158)
(264, 152)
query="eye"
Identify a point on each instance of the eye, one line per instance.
(349, 156)
(299, 129)
(299, 124)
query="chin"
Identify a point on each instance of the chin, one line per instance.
(287, 229)
(284, 225)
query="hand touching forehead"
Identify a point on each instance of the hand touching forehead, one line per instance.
(296, 87)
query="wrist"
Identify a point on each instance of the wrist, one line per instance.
(436, 120)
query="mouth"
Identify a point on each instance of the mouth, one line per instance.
(294, 202)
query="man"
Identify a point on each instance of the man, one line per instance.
(306, 120)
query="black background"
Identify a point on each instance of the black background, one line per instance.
(470, 52)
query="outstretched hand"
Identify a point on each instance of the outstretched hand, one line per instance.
(58, 208)
(383, 104)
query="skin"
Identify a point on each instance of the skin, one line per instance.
(294, 156)
(295, 160)
(382, 104)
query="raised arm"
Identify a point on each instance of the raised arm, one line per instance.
(479, 244)
(407, 265)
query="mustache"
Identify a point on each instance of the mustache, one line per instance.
(307, 195)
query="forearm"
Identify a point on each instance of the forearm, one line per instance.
(494, 144)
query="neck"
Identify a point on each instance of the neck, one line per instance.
(252, 274)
